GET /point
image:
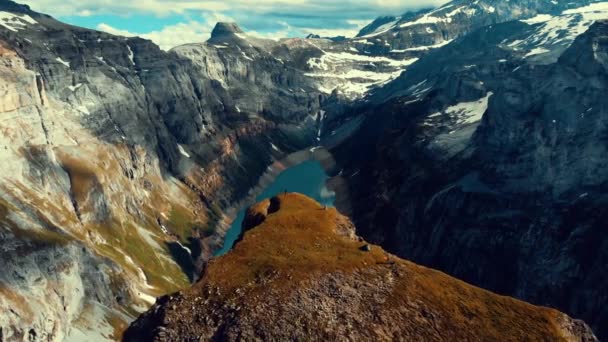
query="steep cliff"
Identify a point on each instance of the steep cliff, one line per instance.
(300, 272)
(118, 160)
(492, 167)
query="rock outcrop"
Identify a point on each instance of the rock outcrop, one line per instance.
(299, 272)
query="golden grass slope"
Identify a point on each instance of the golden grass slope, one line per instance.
(299, 273)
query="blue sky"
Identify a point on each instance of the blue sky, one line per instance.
(173, 22)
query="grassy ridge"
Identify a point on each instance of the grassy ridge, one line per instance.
(299, 241)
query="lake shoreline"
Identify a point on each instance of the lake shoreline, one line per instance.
(320, 154)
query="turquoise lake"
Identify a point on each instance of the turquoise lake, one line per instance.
(307, 178)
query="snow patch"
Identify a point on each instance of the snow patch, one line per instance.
(83, 109)
(15, 22)
(596, 7)
(146, 297)
(541, 18)
(75, 87)
(467, 112)
(321, 118)
(354, 74)
(58, 59)
(383, 28)
(240, 35)
(131, 55)
(184, 248)
(558, 32)
(433, 18)
(183, 151)
(424, 48)
(245, 56)
(537, 51)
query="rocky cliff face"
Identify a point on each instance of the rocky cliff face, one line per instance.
(300, 272)
(492, 167)
(118, 161)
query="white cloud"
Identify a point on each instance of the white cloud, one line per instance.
(285, 31)
(174, 35)
(397, 4)
(326, 18)
(355, 27)
(198, 31)
(112, 30)
(158, 7)
(169, 36)
(165, 7)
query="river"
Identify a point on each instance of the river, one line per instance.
(307, 178)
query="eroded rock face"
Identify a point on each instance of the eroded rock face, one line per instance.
(493, 168)
(19, 87)
(117, 162)
(300, 273)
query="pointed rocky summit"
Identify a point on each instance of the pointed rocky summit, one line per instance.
(223, 32)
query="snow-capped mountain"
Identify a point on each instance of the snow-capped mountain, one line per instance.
(552, 34)
(383, 50)
(488, 160)
(428, 28)
(386, 47)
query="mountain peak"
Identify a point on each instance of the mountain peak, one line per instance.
(8, 5)
(588, 53)
(374, 25)
(223, 30)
